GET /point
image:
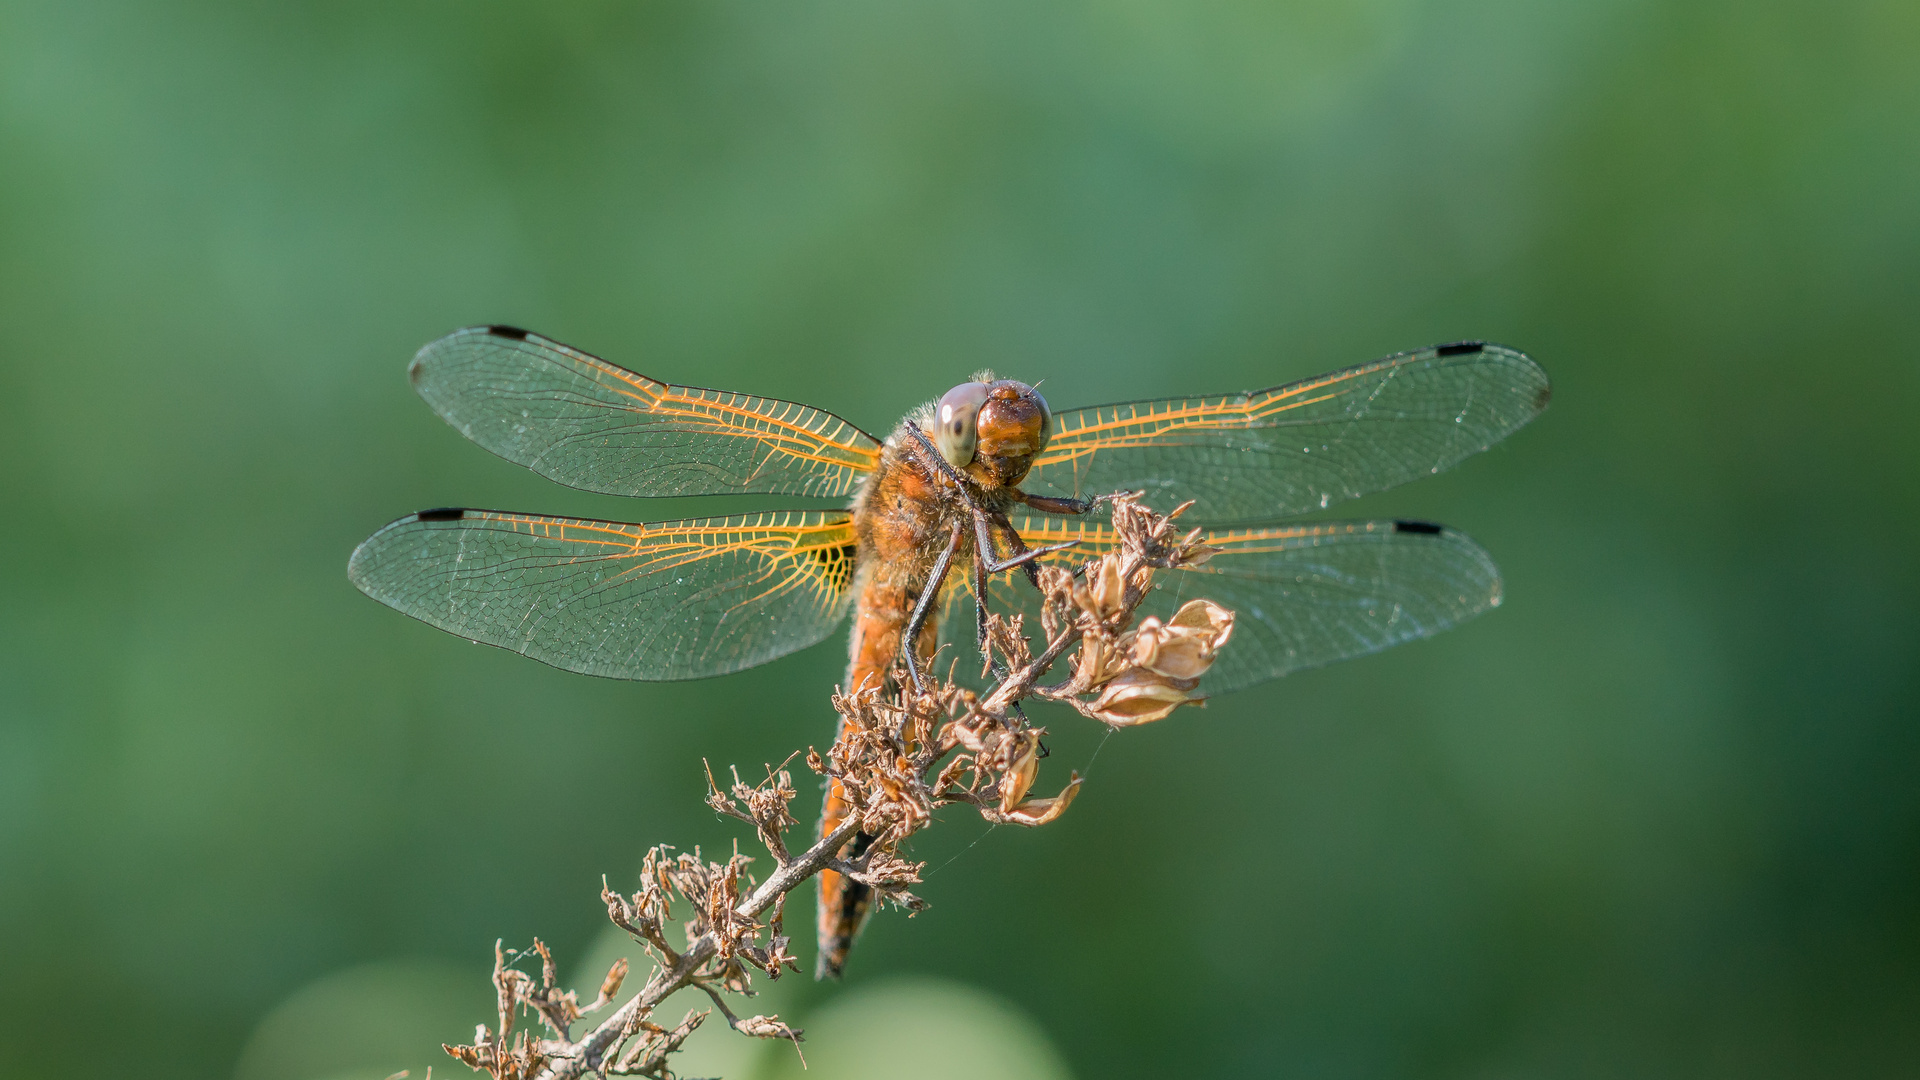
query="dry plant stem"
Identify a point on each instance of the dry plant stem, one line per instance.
(1019, 683)
(898, 758)
(590, 1053)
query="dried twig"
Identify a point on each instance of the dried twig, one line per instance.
(898, 758)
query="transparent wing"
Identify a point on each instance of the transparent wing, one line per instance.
(671, 600)
(1302, 595)
(1299, 448)
(589, 424)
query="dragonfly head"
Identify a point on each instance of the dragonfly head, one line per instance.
(993, 429)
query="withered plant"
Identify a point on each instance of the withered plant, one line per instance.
(899, 757)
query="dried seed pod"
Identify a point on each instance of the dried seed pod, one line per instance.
(1040, 811)
(1205, 615)
(1021, 770)
(768, 1027)
(1192, 552)
(1183, 648)
(1100, 658)
(1105, 594)
(1140, 696)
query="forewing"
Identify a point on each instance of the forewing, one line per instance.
(670, 600)
(589, 424)
(1302, 595)
(1293, 449)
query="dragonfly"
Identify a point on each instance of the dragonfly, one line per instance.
(985, 480)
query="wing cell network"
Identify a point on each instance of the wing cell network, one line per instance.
(1298, 448)
(663, 601)
(1302, 595)
(584, 422)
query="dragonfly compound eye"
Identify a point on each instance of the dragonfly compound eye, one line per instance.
(954, 430)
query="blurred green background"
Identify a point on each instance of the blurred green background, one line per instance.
(1656, 816)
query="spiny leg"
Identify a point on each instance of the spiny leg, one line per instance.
(910, 640)
(982, 569)
(1000, 671)
(980, 575)
(934, 460)
(1022, 555)
(1049, 504)
(983, 566)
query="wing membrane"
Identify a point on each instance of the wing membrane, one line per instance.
(1303, 595)
(589, 424)
(1294, 449)
(670, 600)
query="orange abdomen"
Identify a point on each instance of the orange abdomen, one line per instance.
(902, 533)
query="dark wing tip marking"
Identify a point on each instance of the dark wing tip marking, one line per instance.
(1545, 395)
(1460, 348)
(442, 513)
(1424, 528)
(512, 332)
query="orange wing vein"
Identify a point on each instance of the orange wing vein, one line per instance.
(584, 422)
(1293, 449)
(669, 600)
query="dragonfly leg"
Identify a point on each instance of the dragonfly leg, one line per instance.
(987, 560)
(1025, 558)
(984, 565)
(922, 607)
(1048, 504)
(980, 614)
(999, 670)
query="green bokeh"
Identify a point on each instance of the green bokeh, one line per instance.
(1656, 816)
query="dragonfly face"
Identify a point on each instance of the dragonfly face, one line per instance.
(701, 597)
(992, 429)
